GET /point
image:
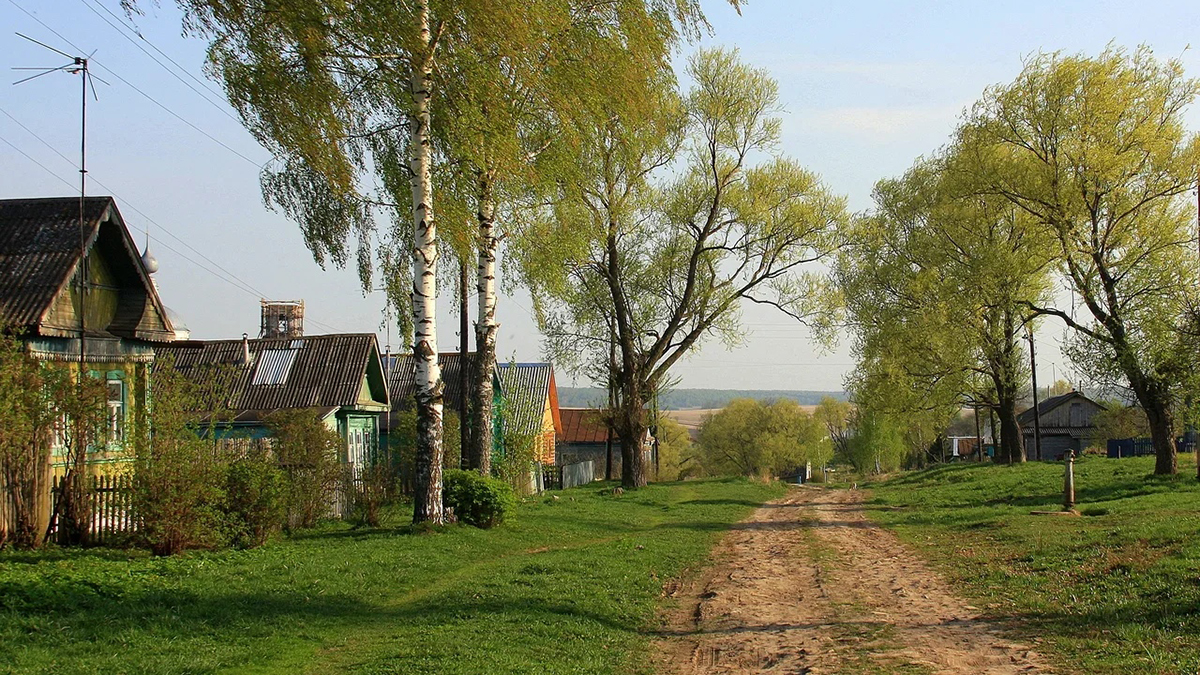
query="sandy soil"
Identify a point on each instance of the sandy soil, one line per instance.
(809, 585)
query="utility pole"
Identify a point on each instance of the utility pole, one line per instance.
(612, 404)
(464, 326)
(1037, 414)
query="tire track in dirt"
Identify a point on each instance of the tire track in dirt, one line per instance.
(808, 584)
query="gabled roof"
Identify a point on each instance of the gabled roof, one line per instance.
(40, 252)
(316, 371)
(583, 425)
(528, 389)
(1044, 407)
(402, 378)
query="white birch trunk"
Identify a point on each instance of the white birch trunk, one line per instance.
(485, 330)
(427, 497)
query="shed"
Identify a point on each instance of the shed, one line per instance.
(1067, 423)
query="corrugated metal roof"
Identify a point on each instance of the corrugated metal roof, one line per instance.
(39, 253)
(324, 370)
(583, 425)
(527, 392)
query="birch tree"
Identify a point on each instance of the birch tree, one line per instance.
(667, 264)
(1095, 150)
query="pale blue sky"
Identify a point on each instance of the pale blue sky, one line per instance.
(868, 87)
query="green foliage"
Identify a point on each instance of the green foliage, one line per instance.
(27, 422)
(692, 399)
(1111, 592)
(676, 452)
(255, 503)
(369, 493)
(179, 476)
(752, 438)
(478, 500)
(586, 571)
(402, 446)
(309, 453)
(1119, 420)
(877, 444)
(514, 462)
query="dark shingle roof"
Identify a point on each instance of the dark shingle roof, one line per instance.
(528, 389)
(317, 371)
(1044, 407)
(39, 253)
(402, 373)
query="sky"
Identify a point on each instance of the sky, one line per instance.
(867, 88)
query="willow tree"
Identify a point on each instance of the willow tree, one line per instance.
(1095, 150)
(662, 259)
(940, 280)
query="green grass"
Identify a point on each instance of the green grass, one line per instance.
(1116, 590)
(571, 586)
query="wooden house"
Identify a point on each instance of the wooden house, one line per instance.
(112, 323)
(401, 376)
(584, 439)
(339, 377)
(1067, 423)
(530, 409)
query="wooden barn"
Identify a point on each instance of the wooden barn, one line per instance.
(1067, 423)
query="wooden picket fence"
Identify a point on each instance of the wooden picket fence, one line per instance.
(112, 508)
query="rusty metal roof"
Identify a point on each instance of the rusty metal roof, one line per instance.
(316, 371)
(40, 251)
(583, 425)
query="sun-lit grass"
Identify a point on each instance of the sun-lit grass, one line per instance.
(570, 586)
(1116, 590)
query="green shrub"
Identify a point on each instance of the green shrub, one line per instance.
(477, 500)
(255, 499)
(367, 493)
(308, 452)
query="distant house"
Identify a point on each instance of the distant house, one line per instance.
(530, 408)
(1067, 423)
(338, 377)
(43, 252)
(401, 376)
(584, 438)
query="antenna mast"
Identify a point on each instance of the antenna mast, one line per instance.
(77, 66)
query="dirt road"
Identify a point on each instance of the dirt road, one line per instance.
(809, 585)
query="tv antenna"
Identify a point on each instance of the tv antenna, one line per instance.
(78, 65)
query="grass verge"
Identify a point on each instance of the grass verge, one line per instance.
(1116, 590)
(569, 587)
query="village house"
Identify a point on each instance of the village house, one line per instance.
(338, 377)
(83, 297)
(584, 440)
(401, 376)
(1067, 423)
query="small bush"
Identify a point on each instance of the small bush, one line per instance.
(308, 451)
(255, 500)
(477, 500)
(367, 494)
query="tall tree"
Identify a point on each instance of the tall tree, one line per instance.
(1095, 150)
(668, 265)
(940, 280)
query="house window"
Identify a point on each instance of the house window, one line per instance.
(116, 411)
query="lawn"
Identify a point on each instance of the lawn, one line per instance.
(571, 586)
(1116, 590)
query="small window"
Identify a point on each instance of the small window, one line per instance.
(116, 411)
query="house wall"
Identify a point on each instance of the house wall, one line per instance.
(1072, 413)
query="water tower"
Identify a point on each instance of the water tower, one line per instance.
(282, 319)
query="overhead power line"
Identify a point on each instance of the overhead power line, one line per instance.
(122, 28)
(145, 95)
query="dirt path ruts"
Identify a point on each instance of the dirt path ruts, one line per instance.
(809, 585)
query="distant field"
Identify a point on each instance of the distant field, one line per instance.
(696, 399)
(1116, 590)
